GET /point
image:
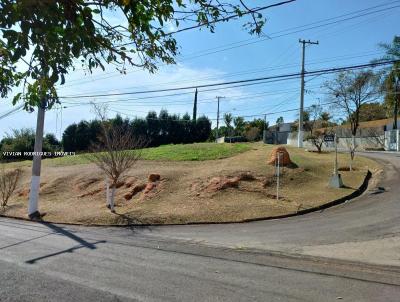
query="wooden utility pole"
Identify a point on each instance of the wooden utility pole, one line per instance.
(33, 210)
(218, 98)
(301, 112)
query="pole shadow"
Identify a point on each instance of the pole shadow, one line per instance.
(82, 243)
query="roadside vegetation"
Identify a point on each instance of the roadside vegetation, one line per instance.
(179, 189)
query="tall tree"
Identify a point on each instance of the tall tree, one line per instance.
(41, 41)
(228, 118)
(239, 124)
(392, 79)
(352, 90)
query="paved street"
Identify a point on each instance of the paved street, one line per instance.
(275, 260)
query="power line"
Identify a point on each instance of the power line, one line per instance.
(12, 111)
(284, 76)
(281, 33)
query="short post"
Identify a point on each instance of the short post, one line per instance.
(107, 192)
(336, 179)
(278, 172)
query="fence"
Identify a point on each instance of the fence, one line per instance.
(369, 141)
(392, 140)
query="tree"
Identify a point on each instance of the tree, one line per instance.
(391, 83)
(228, 118)
(352, 89)
(325, 118)
(41, 41)
(52, 36)
(116, 153)
(279, 120)
(313, 114)
(8, 183)
(239, 124)
(252, 133)
(317, 139)
(372, 111)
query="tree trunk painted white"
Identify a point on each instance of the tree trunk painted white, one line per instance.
(107, 193)
(33, 205)
(112, 199)
(34, 195)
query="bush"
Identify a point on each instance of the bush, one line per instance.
(23, 140)
(252, 134)
(8, 183)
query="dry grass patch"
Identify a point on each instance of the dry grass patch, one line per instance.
(231, 189)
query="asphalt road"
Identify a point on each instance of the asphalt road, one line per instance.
(270, 260)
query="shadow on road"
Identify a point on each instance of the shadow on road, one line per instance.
(59, 230)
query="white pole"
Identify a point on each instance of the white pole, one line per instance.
(107, 192)
(33, 208)
(335, 172)
(112, 199)
(277, 180)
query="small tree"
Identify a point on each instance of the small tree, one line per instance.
(314, 115)
(116, 153)
(317, 139)
(352, 89)
(8, 183)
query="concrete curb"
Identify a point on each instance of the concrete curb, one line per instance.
(327, 205)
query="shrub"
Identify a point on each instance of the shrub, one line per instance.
(8, 183)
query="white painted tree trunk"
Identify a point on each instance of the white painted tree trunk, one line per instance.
(352, 152)
(112, 199)
(107, 193)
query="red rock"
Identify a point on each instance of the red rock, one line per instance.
(221, 183)
(136, 189)
(284, 157)
(153, 177)
(150, 186)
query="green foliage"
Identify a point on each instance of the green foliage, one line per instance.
(279, 120)
(159, 129)
(23, 140)
(372, 111)
(180, 152)
(239, 124)
(391, 84)
(46, 39)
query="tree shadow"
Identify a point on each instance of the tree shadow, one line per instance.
(82, 243)
(131, 223)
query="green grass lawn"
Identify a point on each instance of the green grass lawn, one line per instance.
(189, 152)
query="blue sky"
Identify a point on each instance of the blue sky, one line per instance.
(223, 56)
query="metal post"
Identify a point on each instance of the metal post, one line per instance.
(217, 118)
(33, 210)
(218, 99)
(335, 171)
(336, 178)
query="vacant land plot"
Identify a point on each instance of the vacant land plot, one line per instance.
(192, 188)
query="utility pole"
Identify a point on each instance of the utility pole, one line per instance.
(300, 131)
(265, 129)
(195, 106)
(33, 210)
(218, 98)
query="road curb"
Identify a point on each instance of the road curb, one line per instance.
(324, 206)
